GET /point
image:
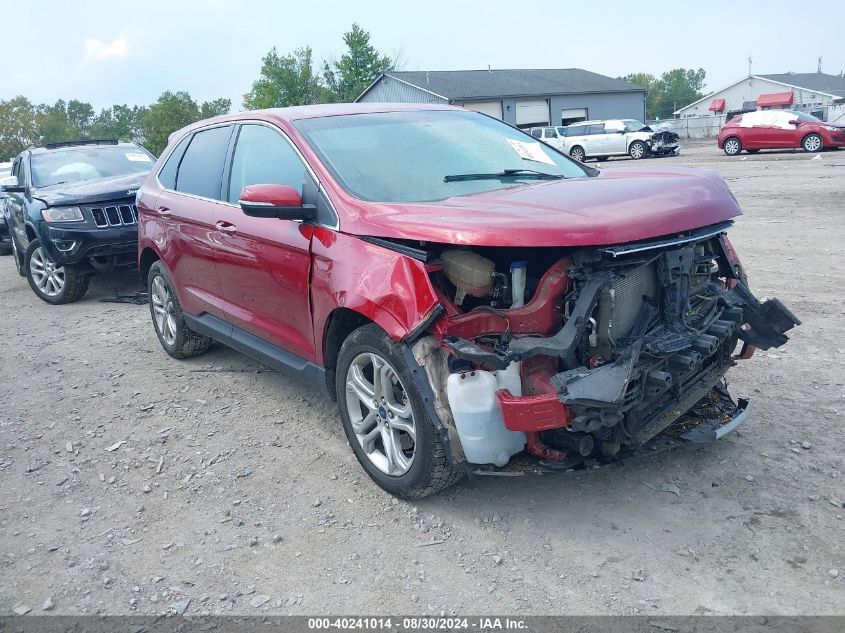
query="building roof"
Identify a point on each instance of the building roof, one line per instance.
(818, 82)
(482, 84)
(832, 85)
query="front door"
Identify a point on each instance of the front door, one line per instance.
(594, 141)
(616, 140)
(264, 263)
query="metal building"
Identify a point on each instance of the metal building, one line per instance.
(524, 98)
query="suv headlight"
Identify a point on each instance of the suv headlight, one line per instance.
(63, 214)
(831, 128)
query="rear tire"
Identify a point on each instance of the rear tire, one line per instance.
(732, 146)
(175, 336)
(5, 249)
(813, 143)
(51, 282)
(577, 153)
(385, 420)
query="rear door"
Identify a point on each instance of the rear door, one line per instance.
(264, 263)
(192, 182)
(16, 205)
(594, 141)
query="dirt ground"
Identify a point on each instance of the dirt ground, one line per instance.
(134, 483)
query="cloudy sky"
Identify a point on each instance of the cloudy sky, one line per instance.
(119, 51)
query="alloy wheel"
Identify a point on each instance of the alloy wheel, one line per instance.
(732, 146)
(48, 276)
(812, 143)
(380, 414)
(577, 154)
(164, 312)
(637, 151)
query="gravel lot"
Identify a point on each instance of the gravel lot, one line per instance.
(132, 483)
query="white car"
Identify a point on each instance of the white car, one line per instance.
(550, 135)
(617, 137)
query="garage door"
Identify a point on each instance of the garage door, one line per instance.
(572, 115)
(532, 112)
(491, 108)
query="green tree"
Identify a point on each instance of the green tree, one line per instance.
(285, 80)
(356, 69)
(122, 122)
(18, 128)
(53, 123)
(80, 115)
(215, 108)
(172, 111)
(678, 88)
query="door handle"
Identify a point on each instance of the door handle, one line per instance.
(163, 212)
(226, 227)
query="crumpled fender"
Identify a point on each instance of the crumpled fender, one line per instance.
(389, 288)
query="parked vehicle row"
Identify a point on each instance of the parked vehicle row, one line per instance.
(5, 242)
(779, 129)
(603, 139)
(464, 291)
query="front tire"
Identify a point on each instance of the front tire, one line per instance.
(577, 153)
(385, 420)
(51, 282)
(168, 318)
(638, 150)
(732, 146)
(812, 143)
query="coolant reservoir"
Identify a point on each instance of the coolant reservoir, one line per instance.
(478, 418)
(470, 272)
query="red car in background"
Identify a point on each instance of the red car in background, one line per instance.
(779, 129)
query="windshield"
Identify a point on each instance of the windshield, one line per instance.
(406, 156)
(632, 125)
(76, 164)
(807, 117)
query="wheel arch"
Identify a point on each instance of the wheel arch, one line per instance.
(339, 325)
(146, 259)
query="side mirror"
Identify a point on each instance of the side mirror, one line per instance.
(275, 201)
(794, 122)
(9, 184)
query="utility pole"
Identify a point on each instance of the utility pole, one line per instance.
(749, 65)
(819, 70)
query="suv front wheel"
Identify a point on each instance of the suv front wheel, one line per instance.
(168, 319)
(638, 150)
(50, 281)
(385, 420)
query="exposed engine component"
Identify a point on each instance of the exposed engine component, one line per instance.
(470, 273)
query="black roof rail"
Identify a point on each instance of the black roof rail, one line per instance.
(101, 141)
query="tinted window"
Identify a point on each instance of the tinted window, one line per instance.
(577, 130)
(561, 131)
(263, 156)
(549, 133)
(596, 128)
(201, 170)
(536, 133)
(167, 175)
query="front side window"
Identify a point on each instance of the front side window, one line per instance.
(550, 133)
(87, 162)
(263, 156)
(422, 156)
(201, 170)
(632, 125)
(536, 132)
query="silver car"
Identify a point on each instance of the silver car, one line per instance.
(618, 137)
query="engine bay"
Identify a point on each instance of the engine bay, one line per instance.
(609, 345)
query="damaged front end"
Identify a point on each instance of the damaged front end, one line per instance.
(580, 354)
(665, 142)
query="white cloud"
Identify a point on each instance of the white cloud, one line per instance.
(97, 50)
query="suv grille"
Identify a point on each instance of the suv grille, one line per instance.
(115, 215)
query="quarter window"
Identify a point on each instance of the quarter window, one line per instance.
(577, 130)
(167, 175)
(263, 156)
(201, 170)
(596, 128)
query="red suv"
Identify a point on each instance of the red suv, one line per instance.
(464, 291)
(779, 129)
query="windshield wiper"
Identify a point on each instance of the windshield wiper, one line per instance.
(505, 173)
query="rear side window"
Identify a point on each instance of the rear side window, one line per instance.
(167, 175)
(596, 128)
(264, 157)
(577, 130)
(201, 170)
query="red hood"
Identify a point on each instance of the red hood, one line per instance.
(618, 206)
